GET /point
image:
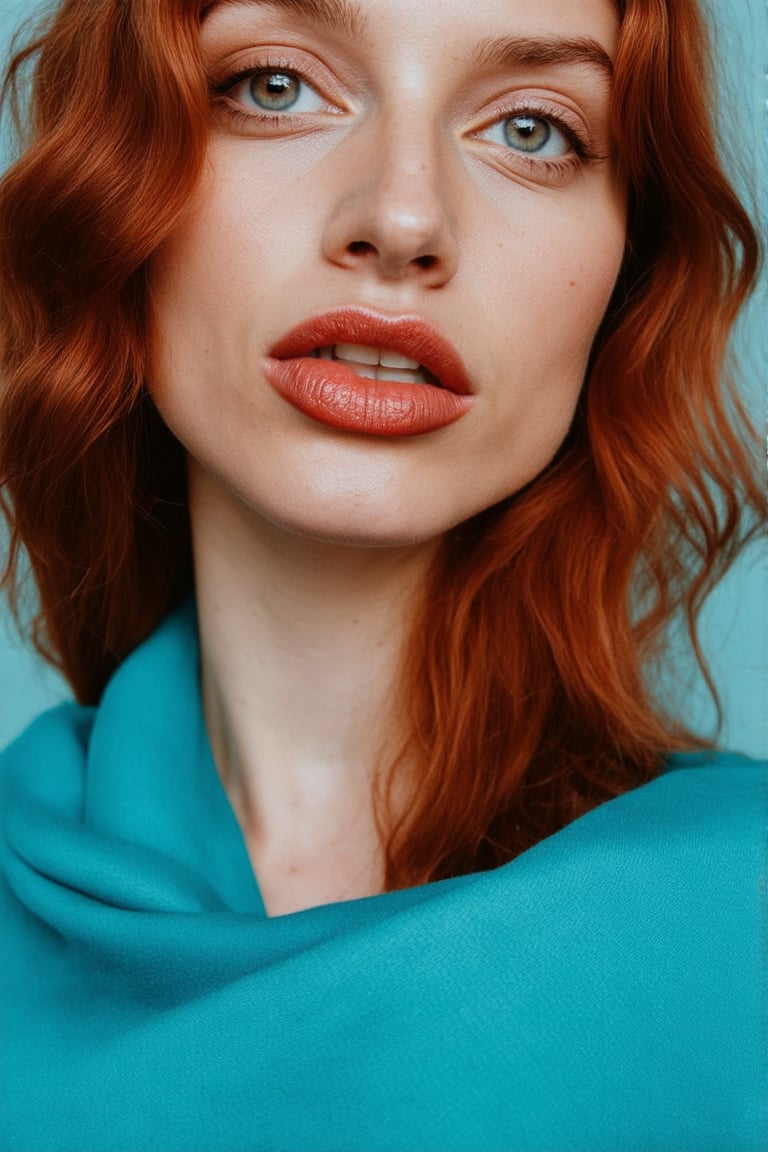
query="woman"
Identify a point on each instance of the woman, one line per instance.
(364, 424)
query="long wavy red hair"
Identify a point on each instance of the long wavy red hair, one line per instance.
(525, 682)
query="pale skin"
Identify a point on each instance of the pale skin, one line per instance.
(391, 183)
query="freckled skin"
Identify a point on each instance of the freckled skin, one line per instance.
(388, 196)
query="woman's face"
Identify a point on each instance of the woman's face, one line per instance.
(431, 180)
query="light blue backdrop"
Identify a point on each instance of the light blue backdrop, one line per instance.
(736, 622)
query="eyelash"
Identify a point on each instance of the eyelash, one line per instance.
(581, 156)
(220, 94)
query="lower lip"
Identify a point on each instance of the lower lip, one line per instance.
(332, 394)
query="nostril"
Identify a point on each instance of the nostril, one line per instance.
(393, 259)
(363, 248)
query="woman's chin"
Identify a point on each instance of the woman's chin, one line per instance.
(358, 528)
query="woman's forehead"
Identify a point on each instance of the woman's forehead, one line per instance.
(489, 33)
(353, 18)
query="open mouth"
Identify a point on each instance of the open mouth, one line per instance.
(378, 363)
(368, 345)
(367, 372)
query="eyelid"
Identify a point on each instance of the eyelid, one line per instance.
(236, 94)
(562, 118)
(570, 146)
(271, 60)
(550, 170)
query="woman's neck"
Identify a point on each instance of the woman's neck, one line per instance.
(301, 648)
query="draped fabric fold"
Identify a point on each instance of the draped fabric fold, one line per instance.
(607, 990)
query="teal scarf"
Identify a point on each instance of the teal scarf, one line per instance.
(604, 991)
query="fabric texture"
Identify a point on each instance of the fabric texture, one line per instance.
(604, 991)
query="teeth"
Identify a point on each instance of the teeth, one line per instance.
(360, 354)
(395, 360)
(357, 353)
(375, 363)
(402, 374)
(370, 371)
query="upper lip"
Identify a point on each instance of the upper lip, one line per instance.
(411, 336)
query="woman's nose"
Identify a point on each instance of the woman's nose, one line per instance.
(392, 215)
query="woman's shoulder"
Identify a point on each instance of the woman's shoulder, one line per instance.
(704, 775)
(52, 734)
(715, 759)
(712, 784)
(696, 809)
(45, 764)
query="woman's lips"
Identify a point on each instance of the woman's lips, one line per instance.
(331, 392)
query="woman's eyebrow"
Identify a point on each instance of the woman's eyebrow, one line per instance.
(541, 52)
(341, 16)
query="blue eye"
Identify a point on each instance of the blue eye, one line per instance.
(530, 135)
